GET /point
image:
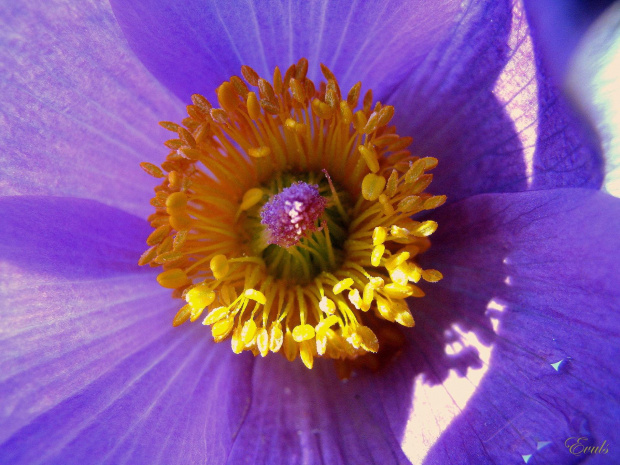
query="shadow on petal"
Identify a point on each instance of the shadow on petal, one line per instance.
(552, 372)
(483, 105)
(508, 289)
(299, 416)
(568, 150)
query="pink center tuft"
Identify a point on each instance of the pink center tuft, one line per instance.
(293, 213)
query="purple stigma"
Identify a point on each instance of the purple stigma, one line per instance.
(292, 213)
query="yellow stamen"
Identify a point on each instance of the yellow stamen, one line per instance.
(222, 328)
(200, 296)
(379, 234)
(262, 342)
(256, 296)
(432, 276)
(176, 202)
(377, 253)
(305, 351)
(342, 285)
(370, 156)
(251, 198)
(219, 266)
(152, 170)
(173, 279)
(303, 333)
(248, 332)
(225, 164)
(259, 152)
(327, 305)
(275, 337)
(372, 186)
(215, 315)
(182, 315)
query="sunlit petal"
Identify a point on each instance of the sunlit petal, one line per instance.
(482, 102)
(78, 110)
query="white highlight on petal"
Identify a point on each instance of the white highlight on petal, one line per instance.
(556, 365)
(454, 348)
(594, 82)
(519, 75)
(542, 444)
(526, 458)
(434, 407)
(494, 309)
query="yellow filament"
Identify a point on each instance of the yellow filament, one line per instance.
(207, 235)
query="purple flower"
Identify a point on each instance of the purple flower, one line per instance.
(513, 352)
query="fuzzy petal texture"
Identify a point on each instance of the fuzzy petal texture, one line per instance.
(79, 111)
(90, 364)
(484, 105)
(192, 46)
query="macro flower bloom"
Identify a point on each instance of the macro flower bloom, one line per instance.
(281, 267)
(512, 353)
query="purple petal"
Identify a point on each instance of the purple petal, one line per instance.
(193, 46)
(91, 370)
(108, 379)
(593, 83)
(90, 367)
(298, 416)
(483, 104)
(73, 238)
(542, 266)
(559, 26)
(79, 111)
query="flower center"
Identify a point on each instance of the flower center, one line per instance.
(292, 214)
(287, 213)
(298, 231)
